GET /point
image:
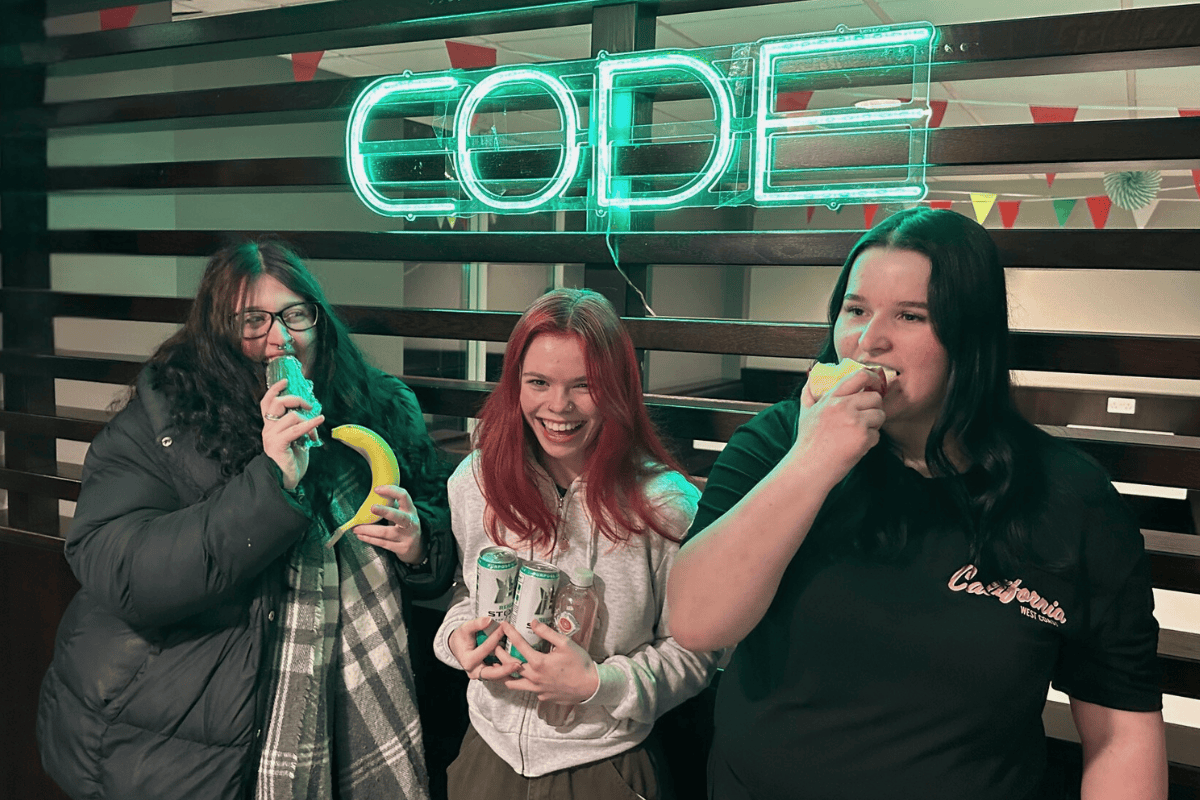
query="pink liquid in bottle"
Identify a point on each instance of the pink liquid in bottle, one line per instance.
(575, 609)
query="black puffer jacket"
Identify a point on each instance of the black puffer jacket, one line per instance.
(155, 690)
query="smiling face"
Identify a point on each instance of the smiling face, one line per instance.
(557, 405)
(884, 320)
(267, 294)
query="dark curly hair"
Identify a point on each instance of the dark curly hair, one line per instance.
(214, 389)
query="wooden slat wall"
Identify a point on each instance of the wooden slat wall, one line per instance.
(37, 583)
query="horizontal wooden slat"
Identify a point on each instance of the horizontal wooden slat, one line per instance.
(46, 303)
(1154, 249)
(1100, 354)
(1179, 644)
(79, 430)
(1090, 146)
(1179, 414)
(1180, 676)
(17, 536)
(1178, 573)
(1171, 543)
(1128, 39)
(64, 488)
(1084, 146)
(357, 23)
(1156, 460)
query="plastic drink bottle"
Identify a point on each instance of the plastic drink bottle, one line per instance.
(575, 610)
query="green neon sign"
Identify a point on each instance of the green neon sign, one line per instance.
(570, 135)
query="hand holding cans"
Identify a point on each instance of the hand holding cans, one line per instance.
(507, 589)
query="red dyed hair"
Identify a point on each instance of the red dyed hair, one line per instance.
(626, 452)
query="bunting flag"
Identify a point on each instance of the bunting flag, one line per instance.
(470, 56)
(982, 203)
(1142, 215)
(1044, 114)
(1098, 207)
(451, 221)
(304, 65)
(112, 19)
(793, 101)
(937, 109)
(1063, 207)
(941, 204)
(1008, 212)
(869, 211)
(808, 212)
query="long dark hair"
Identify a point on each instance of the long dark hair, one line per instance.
(968, 307)
(627, 449)
(214, 389)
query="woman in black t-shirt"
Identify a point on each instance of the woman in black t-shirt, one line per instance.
(906, 564)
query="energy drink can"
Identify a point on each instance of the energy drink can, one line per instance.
(495, 581)
(537, 583)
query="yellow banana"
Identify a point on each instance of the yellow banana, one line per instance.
(823, 377)
(384, 471)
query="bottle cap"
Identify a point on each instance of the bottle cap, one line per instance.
(583, 577)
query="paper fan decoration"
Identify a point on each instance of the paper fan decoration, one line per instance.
(1132, 190)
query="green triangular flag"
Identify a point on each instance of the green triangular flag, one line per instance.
(1063, 208)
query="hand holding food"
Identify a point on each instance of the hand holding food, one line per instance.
(823, 377)
(385, 471)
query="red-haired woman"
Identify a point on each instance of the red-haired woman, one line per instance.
(568, 470)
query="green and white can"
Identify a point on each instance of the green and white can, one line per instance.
(495, 583)
(537, 583)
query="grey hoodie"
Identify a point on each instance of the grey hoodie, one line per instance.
(643, 671)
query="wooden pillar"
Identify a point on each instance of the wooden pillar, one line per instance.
(621, 29)
(23, 219)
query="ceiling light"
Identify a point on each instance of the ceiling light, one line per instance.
(879, 102)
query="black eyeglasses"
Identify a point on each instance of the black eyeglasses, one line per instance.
(256, 324)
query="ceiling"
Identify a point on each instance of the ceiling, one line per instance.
(1118, 94)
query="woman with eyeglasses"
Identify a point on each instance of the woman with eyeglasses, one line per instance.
(218, 648)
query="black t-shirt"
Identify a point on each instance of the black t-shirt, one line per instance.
(905, 677)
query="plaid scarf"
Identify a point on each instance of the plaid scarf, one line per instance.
(343, 706)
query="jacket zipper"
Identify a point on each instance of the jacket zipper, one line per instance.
(531, 699)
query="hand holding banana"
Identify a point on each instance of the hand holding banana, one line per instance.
(386, 518)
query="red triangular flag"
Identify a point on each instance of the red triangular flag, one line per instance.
(304, 65)
(869, 211)
(1008, 211)
(470, 56)
(1050, 176)
(809, 212)
(112, 19)
(937, 112)
(941, 204)
(1043, 114)
(1196, 180)
(1099, 207)
(1189, 112)
(793, 101)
